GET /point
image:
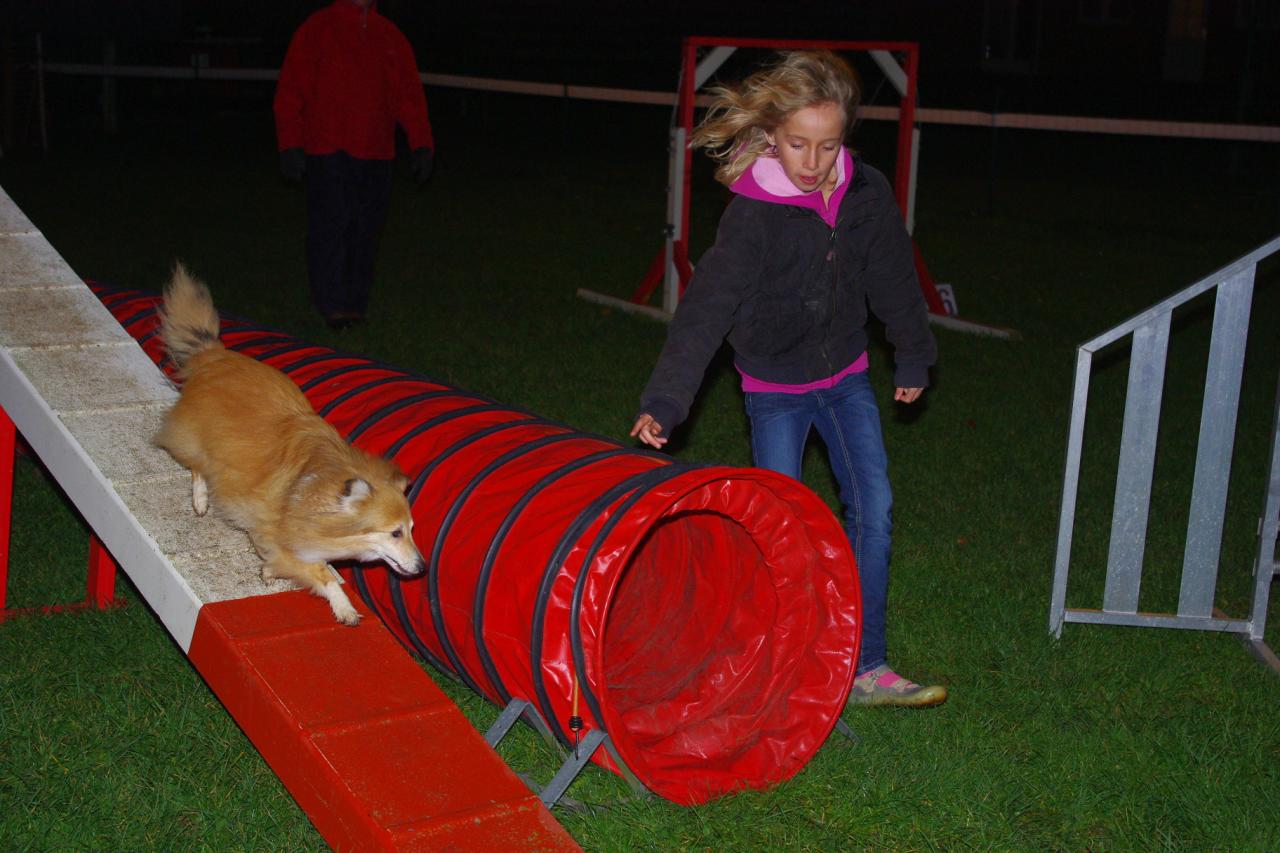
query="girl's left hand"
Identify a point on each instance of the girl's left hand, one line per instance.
(907, 395)
(649, 431)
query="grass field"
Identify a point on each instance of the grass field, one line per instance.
(1109, 739)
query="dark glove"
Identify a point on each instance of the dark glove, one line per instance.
(293, 163)
(421, 162)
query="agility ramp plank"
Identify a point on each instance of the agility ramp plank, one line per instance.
(374, 752)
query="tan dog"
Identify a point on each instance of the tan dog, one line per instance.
(273, 467)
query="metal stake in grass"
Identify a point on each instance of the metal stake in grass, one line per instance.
(575, 722)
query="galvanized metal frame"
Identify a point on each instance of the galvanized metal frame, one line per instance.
(1148, 332)
(574, 760)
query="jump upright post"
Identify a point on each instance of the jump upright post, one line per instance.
(671, 267)
(1149, 335)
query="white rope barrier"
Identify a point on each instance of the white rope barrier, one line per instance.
(924, 115)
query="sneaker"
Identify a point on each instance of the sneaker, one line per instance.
(340, 321)
(883, 686)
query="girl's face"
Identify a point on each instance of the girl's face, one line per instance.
(808, 143)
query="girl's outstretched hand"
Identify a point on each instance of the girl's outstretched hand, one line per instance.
(907, 395)
(648, 431)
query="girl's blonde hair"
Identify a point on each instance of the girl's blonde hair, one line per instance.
(733, 130)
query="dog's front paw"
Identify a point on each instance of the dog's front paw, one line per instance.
(340, 604)
(346, 614)
(199, 494)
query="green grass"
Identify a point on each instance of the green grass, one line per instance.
(1108, 739)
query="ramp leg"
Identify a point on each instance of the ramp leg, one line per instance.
(100, 588)
(8, 447)
(100, 585)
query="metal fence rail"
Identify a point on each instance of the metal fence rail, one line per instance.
(1149, 338)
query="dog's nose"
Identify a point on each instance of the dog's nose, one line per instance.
(418, 566)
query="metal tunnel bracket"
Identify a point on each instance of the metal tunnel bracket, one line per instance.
(552, 793)
(845, 729)
(517, 709)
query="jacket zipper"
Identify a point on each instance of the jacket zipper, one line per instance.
(835, 283)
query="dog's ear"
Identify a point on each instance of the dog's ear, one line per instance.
(395, 477)
(353, 491)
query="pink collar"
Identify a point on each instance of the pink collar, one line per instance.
(767, 181)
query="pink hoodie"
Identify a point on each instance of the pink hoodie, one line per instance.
(767, 181)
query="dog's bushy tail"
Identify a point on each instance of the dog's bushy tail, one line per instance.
(189, 323)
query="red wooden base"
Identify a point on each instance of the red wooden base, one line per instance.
(373, 751)
(51, 609)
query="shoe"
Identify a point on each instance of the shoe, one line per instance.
(341, 321)
(883, 686)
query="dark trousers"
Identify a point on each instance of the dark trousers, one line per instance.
(347, 202)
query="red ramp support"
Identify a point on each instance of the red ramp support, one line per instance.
(707, 618)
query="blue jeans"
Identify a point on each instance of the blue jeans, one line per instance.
(848, 420)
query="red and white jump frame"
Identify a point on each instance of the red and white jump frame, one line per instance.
(671, 266)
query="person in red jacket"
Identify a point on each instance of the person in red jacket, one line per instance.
(349, 77)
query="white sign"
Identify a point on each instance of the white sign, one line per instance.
(947, 294)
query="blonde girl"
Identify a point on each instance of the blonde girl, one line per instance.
(811, 238)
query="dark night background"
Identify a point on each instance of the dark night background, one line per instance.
(1109, 737)
(1190, 60)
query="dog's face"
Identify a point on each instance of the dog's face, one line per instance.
(370, 521)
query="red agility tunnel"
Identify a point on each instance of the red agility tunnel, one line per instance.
(706, 617)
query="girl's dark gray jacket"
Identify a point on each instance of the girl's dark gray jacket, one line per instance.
(791, 295)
